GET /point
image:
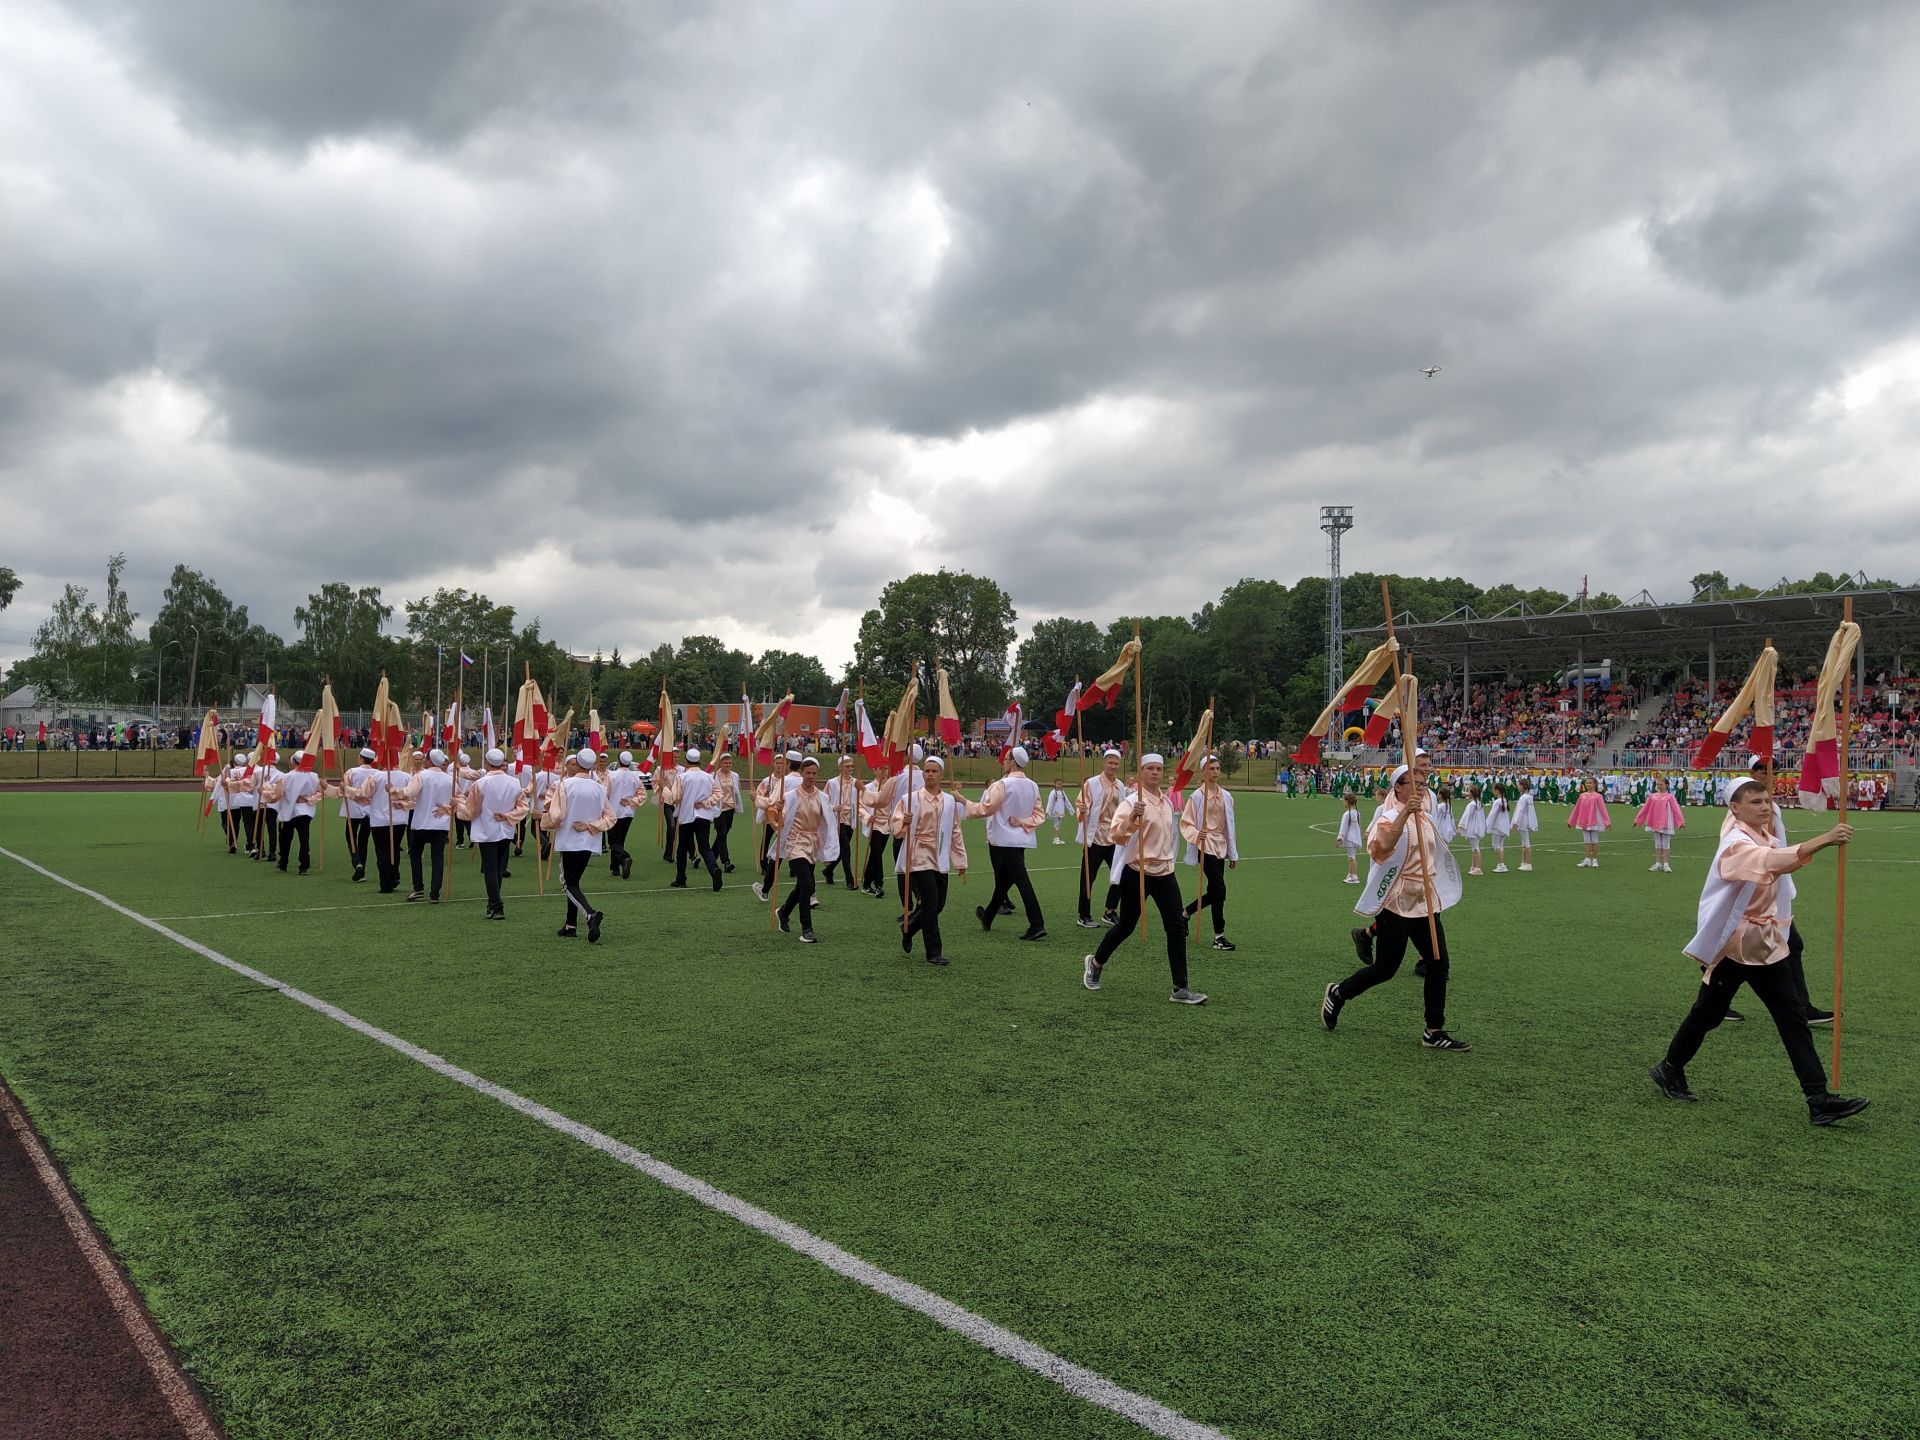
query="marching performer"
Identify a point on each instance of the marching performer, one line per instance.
(1058, 808)
(1590, 817)
(275, 811)
(771, 789)
(666, 789)
(577, 814)
(627, 794)
(933, 847)
(297, 792)
(1783, 908)
(1499, 826)
(427, 798)
(843, 798)
(804, 834)
(1740, 940)
(1660, 817)
(215, 786)
(726, 797)
(1398, 902)
(463, 777)
(875, 822)
(1143, 828)
(694, 820)
(355, 811)
(1099, 801)
(1215, 850)
(243, 819)
(887, 794)
(1525, 822)
(1473, 825)
(493, 806)
(1349, 837)
(1012, 809)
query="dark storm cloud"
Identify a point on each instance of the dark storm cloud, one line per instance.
(735, 314)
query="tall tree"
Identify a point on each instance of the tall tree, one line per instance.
(341, 636)
(85, 653)
(211, 633)
(9, 586)
(1050, 658)
(778, 671)
(964, 622)
(450, 618)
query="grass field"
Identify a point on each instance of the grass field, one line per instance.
(1276, 1231)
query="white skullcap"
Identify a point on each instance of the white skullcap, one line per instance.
(587, 759)
(1154, 759)
(1742, 783)
(809, 760)
(1019, 753)
(1394, 778)
(794, 757)
(242, 758)
(465, 759)
(693, 754)
(437, 756)
(626, 757)
(496, 757)
(1113, 752)
(367, 754)
(1756, 762)
(1207, 760)
(937, 763)
(917, 753)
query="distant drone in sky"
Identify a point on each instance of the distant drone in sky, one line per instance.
(1431, 371)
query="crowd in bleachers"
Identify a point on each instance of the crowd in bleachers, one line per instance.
(1884, 716)
(1504, 718)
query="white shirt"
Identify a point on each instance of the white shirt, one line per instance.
(696, 797)
(353, 780)
(297, 786)
(434, 789)
(1021, 797)
(379, 811)
(240, 794)
(581, 799)
(498, 791)
(622, 784)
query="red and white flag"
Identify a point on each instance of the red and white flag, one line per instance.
(269, 714)
(321, 749)
(1196, 752)
(1820, 770)
(1756, 695)
(529, 723)
(1012, 721)
(596, 739)
(745, 732)
(949, 717)
(771, 727)
(206, 754)
(868, 742)
(1106, 689)
(1352, 696)
(450, 732)
(1381, 718)
(488, 740)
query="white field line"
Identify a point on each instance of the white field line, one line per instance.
(1077, 1380)
(173, 1386)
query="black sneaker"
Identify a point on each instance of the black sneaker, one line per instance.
(1819, 1017)
(676, 885)
(807, 937)
(1362, 944)
(1330, 1005)
(780, 915)
(1220, 942)
(936, 959)
(496, 914)
(416, 895)
(1109, 917)
(1087, 922)
(626, 867)
(1733, 1014)
(1420, 967)
(716, 880)
(1827, 1108)
(1039, 932)
(728, 867)
(1672, 1081)
(906, 941)
(1006, 907)
(980, 914)
(1440, 1040)
(593, 927)
(566, 932)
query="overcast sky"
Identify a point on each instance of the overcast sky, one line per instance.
(663, 318)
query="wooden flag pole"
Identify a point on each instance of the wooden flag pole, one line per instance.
(1079, 798)
(907, 789)
(1840, 877)
(859, 828)
(1200, 846)
(1139, 749)
(1409, 742)
(453, 767)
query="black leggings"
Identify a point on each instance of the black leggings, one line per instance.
(845, 862)
(493, 864)
(1097, 855)
(693, 837)
(1775, 986)
(801, 896)
(297, 827)
(434, 841)
(1164, 891)
(1213, 891)
(573, 868)
(617, 840)
(721, 826)
(1009, 864)
(875, 867)
(929, 899)
(1392, 934)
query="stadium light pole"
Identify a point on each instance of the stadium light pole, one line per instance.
(1336, 520)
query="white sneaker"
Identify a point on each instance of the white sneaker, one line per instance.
(1655, 867)
(1058, 841)
(1090, 973)
(1668, 867)
(1499, 869)
(1593, 864)
(1184, 996)
(759, 891)
(1474, 871)
(1352, 880)
(1525, 868)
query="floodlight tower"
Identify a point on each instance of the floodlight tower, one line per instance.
(1336, 520)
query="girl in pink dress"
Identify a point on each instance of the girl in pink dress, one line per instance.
(1590, 818)
(1660, 817)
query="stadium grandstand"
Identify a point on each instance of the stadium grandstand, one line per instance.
(1636, 686)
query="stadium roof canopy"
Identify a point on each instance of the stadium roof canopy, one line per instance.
(1645, 628)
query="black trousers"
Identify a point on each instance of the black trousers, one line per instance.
(1392, 933)
(1009, 864)
(693, 836)
(801, 896)
(721, 826)
(459, 831)
(876, 862)
(929, 899)
(672, 830)
(357, 841)
(290, 830)
(845, 862)
(1213, 891)
(245, 820)
(1164, 892)
(420, 841)
(1097, 855)
(1775, 986)
(617, 839)
(270, 832)
(573, 869)
(387, 842)
(1796, 948)
(493, 864)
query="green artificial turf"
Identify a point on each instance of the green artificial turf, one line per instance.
(1277, 1231)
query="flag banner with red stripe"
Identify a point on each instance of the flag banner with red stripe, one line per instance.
(771, 727)
(1755, 696)
(1820, 770)
(869, 743)
(1351, 696)
(1106, 688)
(949, 717)
(1381, 719)
(1195, 753)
